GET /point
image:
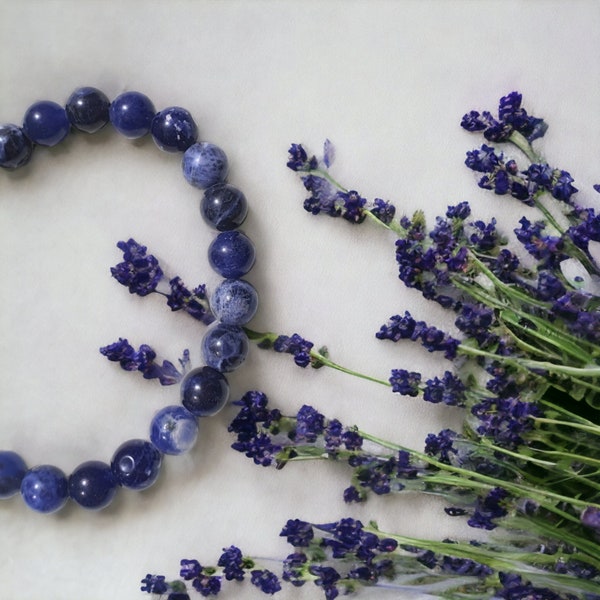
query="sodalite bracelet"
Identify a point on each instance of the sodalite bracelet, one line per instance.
(204, 390)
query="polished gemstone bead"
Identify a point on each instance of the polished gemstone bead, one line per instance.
(231, 254)
(136, 464)
(234, 302)
(174, 430)
(46, 123)
(12, 471)
(224, 207)
(204, 391)
(225, 347)
(44, 488)
(93, 485)
(204, 165)
(131, 114)
(173, 129)
(87, 109)
(15, 147)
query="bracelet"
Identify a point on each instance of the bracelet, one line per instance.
(204, 391)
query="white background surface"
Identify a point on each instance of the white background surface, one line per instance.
(387, 82)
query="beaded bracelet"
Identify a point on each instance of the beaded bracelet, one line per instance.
(204, 390)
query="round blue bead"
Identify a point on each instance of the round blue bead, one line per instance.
(204, 165)
(225, 347)
(46, 123)
(93, 485)
(204, 391)
(131, 114)
(174, 430)
(44, 489)
(15, 147)
(12, 471)
(174, 129)
(87, 109)
(234, 302)
(231, 254)
(136, 464)
(224, 207)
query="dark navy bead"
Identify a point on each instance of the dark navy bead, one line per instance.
(204, 391)
(204, 165)
(234, 302)
(131, 114)
(12, 471)
(44, 489)
(174, 129)
(225, 347)
(15, 147)
(136, 464)
(87, 109)
(174, 430)
(93, 485)
(231, 254)
(224, 207)
(46, 123)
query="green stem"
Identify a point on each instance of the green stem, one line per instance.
(321, 359)
(522, 143)
(595, 430)
(515, 488)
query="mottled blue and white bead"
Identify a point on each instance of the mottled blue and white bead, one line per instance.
(234, 302)
(44, 489)
(224, 207)
(174, 430)
(225, 347)
(204, 165)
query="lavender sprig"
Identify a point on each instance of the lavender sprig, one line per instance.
(142, 274)
(343, 556)
(143, 360)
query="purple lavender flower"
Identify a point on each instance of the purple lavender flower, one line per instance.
(298, 159)
(384, 211)
(326, 578)
(139, 271)
(506, 421)
(309, 424)
(142, 360)
(448, 390)
(333, 436)
(511, 117)
(293, 568)
(475, 321)
(232, 562)
(154, 584)
(484, 160)
(405, 382)
(514, 588)
(398, 328)
(547, 249)
(461, 211)
(194, 302)
(441, 445)
(488, 509)
(189, 569)
(295, 345)
(266, 581)
(207, 585)
(298, 533)
(590, 518)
